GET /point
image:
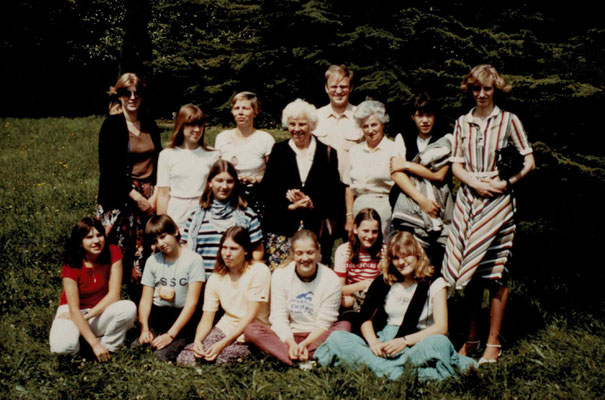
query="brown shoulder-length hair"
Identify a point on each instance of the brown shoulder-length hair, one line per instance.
(405, 244)
(485, 74)
(160, 224)
(189, 114)
(75, 253)
(235, 197)
(365, 214)
(240, 236)
(124, 81)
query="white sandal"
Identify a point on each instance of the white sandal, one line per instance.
(490, 360)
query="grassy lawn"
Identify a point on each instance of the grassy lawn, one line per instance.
(49, 181)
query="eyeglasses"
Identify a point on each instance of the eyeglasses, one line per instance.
(343, 88)
(125, 92)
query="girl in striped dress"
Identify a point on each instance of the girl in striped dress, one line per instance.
(483, 227)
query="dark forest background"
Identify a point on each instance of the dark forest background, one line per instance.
(60, 57)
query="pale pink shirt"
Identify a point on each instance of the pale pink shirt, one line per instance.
(369, 171)
(339, 131)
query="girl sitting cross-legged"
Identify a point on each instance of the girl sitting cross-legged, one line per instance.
(172, 281)
(240, 286)
(305, 297)
(405, 320)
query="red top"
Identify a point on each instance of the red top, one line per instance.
(93, 283)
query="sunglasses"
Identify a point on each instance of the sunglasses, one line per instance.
(125, 92)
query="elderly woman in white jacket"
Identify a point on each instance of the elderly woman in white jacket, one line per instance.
(305, 298)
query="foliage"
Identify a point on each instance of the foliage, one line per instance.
(204, 51)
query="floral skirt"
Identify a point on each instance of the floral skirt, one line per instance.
(233, 352)
(277, 249)
(126, 228)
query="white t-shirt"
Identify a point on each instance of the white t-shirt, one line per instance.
(298, 306)
(185, 171)
(398, 300)
(176, 275)
(422, 143)
(369, 170)
(233, 297)
(248, 154)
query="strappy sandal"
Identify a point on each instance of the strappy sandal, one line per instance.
(491, 360)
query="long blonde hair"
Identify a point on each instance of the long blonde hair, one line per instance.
(404, 243)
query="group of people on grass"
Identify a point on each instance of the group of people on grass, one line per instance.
(228, 248)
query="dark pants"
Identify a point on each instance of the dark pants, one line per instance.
(161, 320)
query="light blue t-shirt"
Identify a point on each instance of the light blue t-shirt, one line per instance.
(176, 275)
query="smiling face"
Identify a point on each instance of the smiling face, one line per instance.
(232, 253)
(192, 134)
(305, 255)
(483, 94)
(93, 244)
(405, 263)
(300, 131)
(373, 130)
(367, 232)
(222, 185)
(243, 113)
(130, 99)
(424, 123)
(338, 88)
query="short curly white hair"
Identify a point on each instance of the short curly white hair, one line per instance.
(368, 108)
(299, 108)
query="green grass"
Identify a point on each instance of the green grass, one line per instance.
(49, 180)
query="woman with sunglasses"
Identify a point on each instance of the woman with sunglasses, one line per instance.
(129, 145)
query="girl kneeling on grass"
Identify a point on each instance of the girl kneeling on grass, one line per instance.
(408, 312)
(240, 287)
(356, 262)
(90, 304)
(305, 297)
(172, 281)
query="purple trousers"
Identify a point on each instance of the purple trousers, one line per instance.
(266, 340)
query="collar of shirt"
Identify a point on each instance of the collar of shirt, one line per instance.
(379, 146)
(327, 113)
(310, 150)
(478, 121)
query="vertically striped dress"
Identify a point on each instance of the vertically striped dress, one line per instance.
(482, 228)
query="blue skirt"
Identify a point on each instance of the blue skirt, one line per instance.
(434, 357)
